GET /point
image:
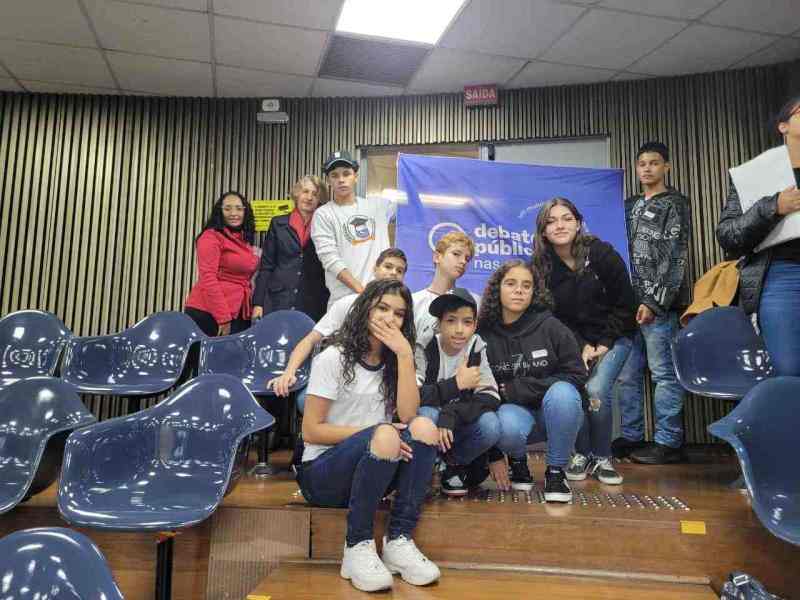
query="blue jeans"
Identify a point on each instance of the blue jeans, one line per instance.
(557, 421)
(349, 475)
(595, 435)
(651, 345)
(471, 440)
(778, 316)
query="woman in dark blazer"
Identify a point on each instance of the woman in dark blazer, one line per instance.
(291, 276)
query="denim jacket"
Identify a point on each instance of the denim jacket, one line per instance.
(658, 236)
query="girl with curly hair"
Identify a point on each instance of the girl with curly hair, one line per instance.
(537, 364)
(354, 454)
(220, 301)
(593, 296)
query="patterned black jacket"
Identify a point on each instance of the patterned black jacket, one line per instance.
(658, 237)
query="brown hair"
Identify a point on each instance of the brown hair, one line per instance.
(580, 245)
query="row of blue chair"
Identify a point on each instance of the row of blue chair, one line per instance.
(720, 355)
(149, 357)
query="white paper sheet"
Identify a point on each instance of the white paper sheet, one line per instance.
(765, 175)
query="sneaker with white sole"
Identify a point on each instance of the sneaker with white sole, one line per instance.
(556, 488)
(364, 568)
(603, 469)
(521, 479)
(401, 555)
(453, 482)
(578, 465)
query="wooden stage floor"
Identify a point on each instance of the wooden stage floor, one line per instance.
(666, 525)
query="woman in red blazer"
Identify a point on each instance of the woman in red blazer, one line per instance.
(220, 301)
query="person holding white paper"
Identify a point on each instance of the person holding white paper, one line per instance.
(770, 277)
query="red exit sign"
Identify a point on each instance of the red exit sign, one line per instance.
(480, 95)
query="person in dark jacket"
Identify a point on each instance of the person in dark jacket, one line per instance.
(290, 275)
(537, 364)
(659, 226)
(457, 388)
(769, 280)
(593, 296)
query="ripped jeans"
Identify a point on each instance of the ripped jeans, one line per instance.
(349, 475)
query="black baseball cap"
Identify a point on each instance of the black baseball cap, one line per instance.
(455, 298)
(339, 158)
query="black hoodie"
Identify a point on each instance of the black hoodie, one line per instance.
(531, 354)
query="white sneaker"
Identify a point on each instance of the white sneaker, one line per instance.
(364, 568)
(578, 465)
(401, 555)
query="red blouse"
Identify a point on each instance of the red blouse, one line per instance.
(225, 267)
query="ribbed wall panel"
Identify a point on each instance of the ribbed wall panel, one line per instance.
(102, 197)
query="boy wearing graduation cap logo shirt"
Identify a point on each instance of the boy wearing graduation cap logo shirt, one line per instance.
(350, 232)
(457, 388)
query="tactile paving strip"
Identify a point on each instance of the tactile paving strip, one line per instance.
(579, 498)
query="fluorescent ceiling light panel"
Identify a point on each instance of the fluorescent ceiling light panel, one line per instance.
(410, 20)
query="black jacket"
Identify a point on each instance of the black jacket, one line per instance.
(290, 277)
(658, 237)
(458, 407)
(739, 233)
(532, 354)
(597, 304)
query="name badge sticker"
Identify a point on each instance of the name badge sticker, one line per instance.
(539, 353)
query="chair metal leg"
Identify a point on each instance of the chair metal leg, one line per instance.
(164, 554)
(263, 469)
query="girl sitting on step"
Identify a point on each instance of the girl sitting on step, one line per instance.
(354, 454)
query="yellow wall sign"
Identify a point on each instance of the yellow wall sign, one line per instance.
(265, 210)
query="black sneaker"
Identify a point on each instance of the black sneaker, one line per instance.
(577, 467)
(476, 472)
(453, 483)
(556, 488)
(622, 447)
(520, 474)
(658, 454)
(603, 469)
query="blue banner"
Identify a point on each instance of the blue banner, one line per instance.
(496, 205)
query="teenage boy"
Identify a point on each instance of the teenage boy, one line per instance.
(451, 257)
(350, 232)
(391, 264)
(659, 226)
(457, 388)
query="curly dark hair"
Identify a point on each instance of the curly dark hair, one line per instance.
(491, 312)
(542, 260)
(353, 336)
(216, 220)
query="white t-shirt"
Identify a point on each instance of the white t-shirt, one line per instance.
(359, 404)
(424, 321)
(334, 318)
(351, 236)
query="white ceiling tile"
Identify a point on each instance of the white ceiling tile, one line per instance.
(46, 87)
(233, 82)
(60, 22)
(701, 48)
(268, 47)
(769, 16)
(483, 28)
(151, 30)
(325, 88)
(45, 62)
(540, 74)
(678, 9)
(611, 39)
(314, 14)
(9, 85)
(165, 76)
(784, 50)
(447, 70)
(198, 5)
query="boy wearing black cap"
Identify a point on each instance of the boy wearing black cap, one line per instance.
(349, 233)
(457, 388)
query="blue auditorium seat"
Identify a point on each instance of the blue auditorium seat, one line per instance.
(54, 563)
(36, 416)
(720, 355)
(143, 360)
(30, 344)
(763, 429)
(163, 468)
(259, 353)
